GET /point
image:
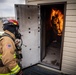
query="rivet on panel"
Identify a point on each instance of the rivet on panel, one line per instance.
(17, 18)
(38, 27)
(29, 28)
(38, 46)
(29, 32)
(30, 49)
(38, 30)
(38, 17)
(28, 17)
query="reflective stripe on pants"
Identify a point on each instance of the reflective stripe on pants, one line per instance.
(8, 74)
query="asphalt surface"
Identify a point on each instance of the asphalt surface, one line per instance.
(37, 70)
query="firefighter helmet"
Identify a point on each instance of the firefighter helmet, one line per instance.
(10, 22)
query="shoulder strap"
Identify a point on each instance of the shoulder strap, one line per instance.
(6, 34)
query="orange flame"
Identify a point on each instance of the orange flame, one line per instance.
(57, 21)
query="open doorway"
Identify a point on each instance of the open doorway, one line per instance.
(52, 28)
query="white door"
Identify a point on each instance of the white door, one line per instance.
(29, 21)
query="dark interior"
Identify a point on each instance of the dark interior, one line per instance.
(51, 34)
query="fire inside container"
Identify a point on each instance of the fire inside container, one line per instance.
(52, 24)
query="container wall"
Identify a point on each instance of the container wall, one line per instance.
(69, 47)
(1, 25)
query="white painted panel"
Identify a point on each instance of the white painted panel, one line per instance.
(44, 1)
(31, 53)
(71, 6)
(29, 19)
(35, 2)
(70, 29)
(68, 70)
(69, 67)
(69, 39)
(71, 12)
(71, 18)
(70, 49)
(71, 24)
(71, 54)
(70, 34)
(69, 63)
(71, 1)
(69, 44)
(68, 58)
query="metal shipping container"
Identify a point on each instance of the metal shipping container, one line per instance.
(49, 33)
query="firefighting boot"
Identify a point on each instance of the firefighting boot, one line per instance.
(20, 72)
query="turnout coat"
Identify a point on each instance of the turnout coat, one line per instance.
(8, 62)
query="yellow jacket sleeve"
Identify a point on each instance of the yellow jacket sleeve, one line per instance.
(8, 51)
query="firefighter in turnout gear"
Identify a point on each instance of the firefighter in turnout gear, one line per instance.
(8, 60)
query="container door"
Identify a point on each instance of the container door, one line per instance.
(29, 21)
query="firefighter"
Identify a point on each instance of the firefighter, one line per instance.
(8, 61)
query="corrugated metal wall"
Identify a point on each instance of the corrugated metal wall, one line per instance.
(69, 49)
